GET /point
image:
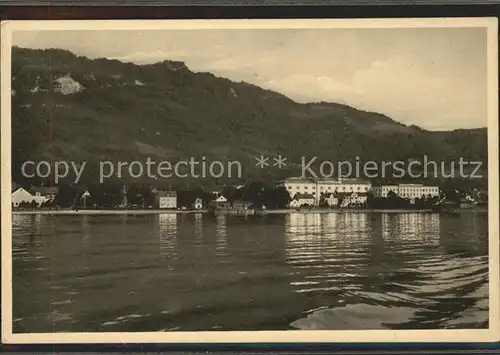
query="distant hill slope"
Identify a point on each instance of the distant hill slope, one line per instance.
(72, 108)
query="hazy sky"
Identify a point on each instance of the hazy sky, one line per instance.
(434, 78)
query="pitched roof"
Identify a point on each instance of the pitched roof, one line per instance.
(18, 188)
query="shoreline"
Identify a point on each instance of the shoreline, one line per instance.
(157, 211)
(106, 212)
(256, 213)
(345, 210)
(364, 210)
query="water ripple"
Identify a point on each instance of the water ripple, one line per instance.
(195, 272)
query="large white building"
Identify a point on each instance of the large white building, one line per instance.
(319, 187)
(383, 190)
(354, 191)
(410, 191)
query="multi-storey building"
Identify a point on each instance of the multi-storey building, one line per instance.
(321, 187)
(384, 190)
(410, 191)
(417, 191)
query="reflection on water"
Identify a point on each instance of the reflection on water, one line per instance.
(167, 226)
(221, 232)
(411, 227)
(86, 232)
(198, 225)
(326, 248)
(196, 272)
(389, 260)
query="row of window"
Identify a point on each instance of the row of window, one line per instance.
(408, 191)
(415, 194)
(340, 188)
(424, 190)
(428, 189)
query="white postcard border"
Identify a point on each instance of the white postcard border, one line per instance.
(300, 336)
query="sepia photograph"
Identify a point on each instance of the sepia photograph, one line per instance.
(250, 181)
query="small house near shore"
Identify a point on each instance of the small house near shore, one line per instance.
(198, 203)
(221, 199)
(166, 199)
(20, 196)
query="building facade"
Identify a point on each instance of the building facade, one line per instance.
(413, 191)
(294, 203)
(198, 204)
(323, 187)
(20, 196)
(166, 199)
(409, 191)
(302, 199)
(384, 190)
(331, 200)
(357, 186)
(353, 199)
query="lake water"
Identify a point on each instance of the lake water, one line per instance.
(275, 272)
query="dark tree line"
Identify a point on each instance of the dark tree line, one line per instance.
(105, 195)
(112, 195)
(259, 194)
